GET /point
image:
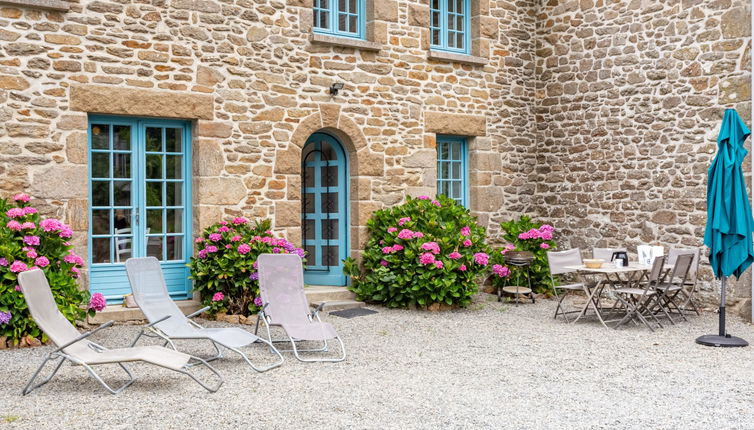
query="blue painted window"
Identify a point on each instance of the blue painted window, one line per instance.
(449, 25)
(140, 201)
(451, 168)
(340, 17)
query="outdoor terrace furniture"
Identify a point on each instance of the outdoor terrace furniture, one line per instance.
(281, 285)
(606, 253)
(166, 321)
(558, 263)
(687, 294)
(671, 292)
(639, 300)
(74, 347)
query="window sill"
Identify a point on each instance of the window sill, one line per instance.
(457, 58)
(326, 39)
(57, 5)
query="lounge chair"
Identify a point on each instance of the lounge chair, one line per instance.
(74, 347)
(281, 285)
(167, 322)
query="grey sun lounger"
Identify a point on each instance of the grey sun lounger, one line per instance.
(167, 322)
(75, 348)
(281, 285)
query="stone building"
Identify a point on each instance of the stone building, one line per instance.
(141, 122)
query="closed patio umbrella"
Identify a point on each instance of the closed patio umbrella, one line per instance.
(729, 222)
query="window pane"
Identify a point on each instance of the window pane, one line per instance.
(100, 165)
(174, 247)
(175, 220)
(444, 170)
(343, 6)
(154, 247)
(434, 4)
(311, 255)
(101, 221)
(174, 193)
(456, 170)
(353, 25)
(324, 20)
(100, 134)
(154, 139)
(100, 193)
(330, 176)
(330, 229)
(330, 255)
(456, 190)
(309, 229)
(456, 152)
(459, 22)
(451, 23)
(309, 203)
(101, 250)
(154, 193)
(173, 166)
(122, 193)
(122, 137)
(329, 202)
(308, 177)
(154, 221)
(173, 140)
(444, 151)
(122, 221)
(154, 166)
(445, 188)
(435, 37)
(121, 165)
(460, 41)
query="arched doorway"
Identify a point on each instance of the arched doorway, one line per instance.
(324, 210)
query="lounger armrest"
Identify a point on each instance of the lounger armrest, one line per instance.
(158, 321)
(84, 335)
(199, 312)
(316, 310)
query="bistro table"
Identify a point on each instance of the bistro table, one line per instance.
(611, 277)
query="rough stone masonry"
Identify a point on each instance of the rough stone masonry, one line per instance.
(598, 116)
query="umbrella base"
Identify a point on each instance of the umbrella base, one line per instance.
(721, 341)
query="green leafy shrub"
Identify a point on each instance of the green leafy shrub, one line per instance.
(525, 235)
(26, 242)
(224, 269)
(420, 253)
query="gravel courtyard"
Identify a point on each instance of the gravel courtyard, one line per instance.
(488, 366)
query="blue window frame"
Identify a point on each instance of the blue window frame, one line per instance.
(449, 25)
(344, 18)
(452, 174)
(140, 201)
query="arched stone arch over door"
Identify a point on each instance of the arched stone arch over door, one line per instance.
(363, 165)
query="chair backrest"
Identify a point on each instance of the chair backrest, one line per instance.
(558, 260)
(122, 244)
(281, 285)
(151, 294)
(606, 253)
(682, 268)
(658, 265)
(46, 314)
(675, 252)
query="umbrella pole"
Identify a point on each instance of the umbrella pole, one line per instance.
(721, 339)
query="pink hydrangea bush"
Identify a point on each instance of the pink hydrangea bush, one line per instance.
(224, 266)
(526, 235)
(420, 253)
(28, 241)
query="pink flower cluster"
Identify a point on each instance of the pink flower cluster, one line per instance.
(218, 297)
(422, 198)
(544, 233)
(392, 229)
(466, 231)
(431, 246)
(481, 258)
(18, 266)
(508, 247)
(454, 255)
(215, 237)
(31, 240)
(21, 197)
(240, 220)
(97, 302)
(427, 258)
(391, 249)
(406, 234)
(72, 258)
(500, 271)
(404, 220)
(243, 249)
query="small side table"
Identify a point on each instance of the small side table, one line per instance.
(520, 260)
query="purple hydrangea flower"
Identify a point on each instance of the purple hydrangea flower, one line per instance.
(97, 302)
(254, 276)
(258, 301)
(5, 317)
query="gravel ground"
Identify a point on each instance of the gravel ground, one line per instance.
(489, 366)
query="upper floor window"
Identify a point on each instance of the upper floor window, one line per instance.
(340, 17)
(449, 25)
(451, 168)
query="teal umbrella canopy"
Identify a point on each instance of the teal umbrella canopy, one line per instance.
(729, 222)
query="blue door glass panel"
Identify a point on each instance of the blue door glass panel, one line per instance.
(324, 210)
(451, 168)
(139, 193)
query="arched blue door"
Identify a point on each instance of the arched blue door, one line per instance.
(324, 210)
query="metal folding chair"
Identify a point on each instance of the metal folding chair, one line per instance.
(558, 261)
(167, 322)
(74, 347)
(670, 292)
(606, 254)
(639, 301)
(686, 295)
(281, 285)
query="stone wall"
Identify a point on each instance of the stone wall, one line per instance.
(629, 99)
(254, 81)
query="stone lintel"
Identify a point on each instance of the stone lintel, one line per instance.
(140, 102)
(458, 124)
(57, 5)
(457, 58)
(346, 42)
